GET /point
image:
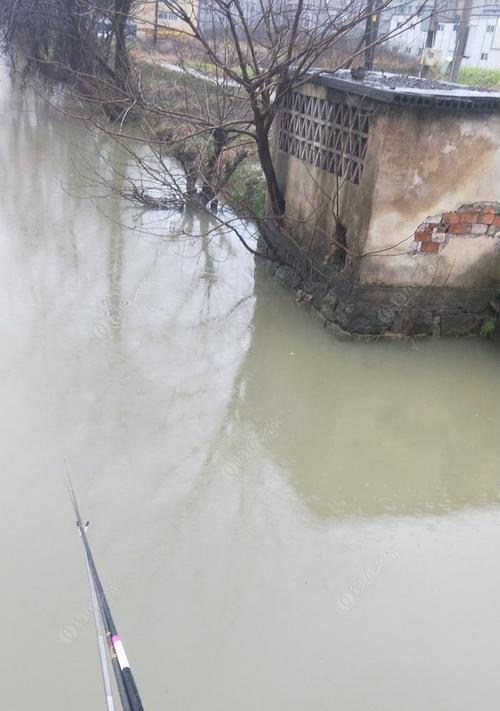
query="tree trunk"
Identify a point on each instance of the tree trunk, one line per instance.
(75, 55)
(276, 201)
(122, 61)
(208, 190)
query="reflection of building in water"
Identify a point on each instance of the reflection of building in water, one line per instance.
(363, 429)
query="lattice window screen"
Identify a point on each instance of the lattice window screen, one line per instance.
(328, 135)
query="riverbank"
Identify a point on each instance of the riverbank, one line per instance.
(164, 85)
(348, 309)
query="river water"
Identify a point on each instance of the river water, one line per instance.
(281, 520)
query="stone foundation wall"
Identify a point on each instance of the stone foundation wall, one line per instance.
(353, 310)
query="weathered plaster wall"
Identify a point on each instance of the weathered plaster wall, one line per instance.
(419, 163)
(431, 163)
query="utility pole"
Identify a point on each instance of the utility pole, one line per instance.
(431, 32)
(155, 28)
(430, 39)
(462, 35)
(371, 33)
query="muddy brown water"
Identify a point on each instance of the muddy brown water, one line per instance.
(282, 521)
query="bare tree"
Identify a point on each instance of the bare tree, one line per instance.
(252, 53)
(266, 48)
(79, 41)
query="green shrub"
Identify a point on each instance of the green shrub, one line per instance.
(246, 190)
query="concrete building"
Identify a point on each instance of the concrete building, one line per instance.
(393, 200)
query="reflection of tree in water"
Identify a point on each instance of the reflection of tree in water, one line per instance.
(208, 273)
(116, 301)
(212, 245)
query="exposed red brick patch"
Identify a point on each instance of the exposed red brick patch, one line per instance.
(472, 221)
(430, 247)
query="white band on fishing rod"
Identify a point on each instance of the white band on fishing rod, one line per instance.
(120, 652)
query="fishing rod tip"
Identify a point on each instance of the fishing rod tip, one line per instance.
(79, 525)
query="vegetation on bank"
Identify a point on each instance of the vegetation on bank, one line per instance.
(242, 184)
(475, 77)
(484, 78)
(489, 325)
(246, 190)
(161, 85)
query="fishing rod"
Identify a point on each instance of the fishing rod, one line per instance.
(102, 631)
(99, 626)
(127, 689)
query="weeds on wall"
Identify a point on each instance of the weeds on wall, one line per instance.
(489, 325)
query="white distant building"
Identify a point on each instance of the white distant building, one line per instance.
(483, 42)
(315, 14)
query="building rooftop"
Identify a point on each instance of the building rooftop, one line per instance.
(411, 91)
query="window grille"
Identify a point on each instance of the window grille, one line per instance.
(330, 136)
